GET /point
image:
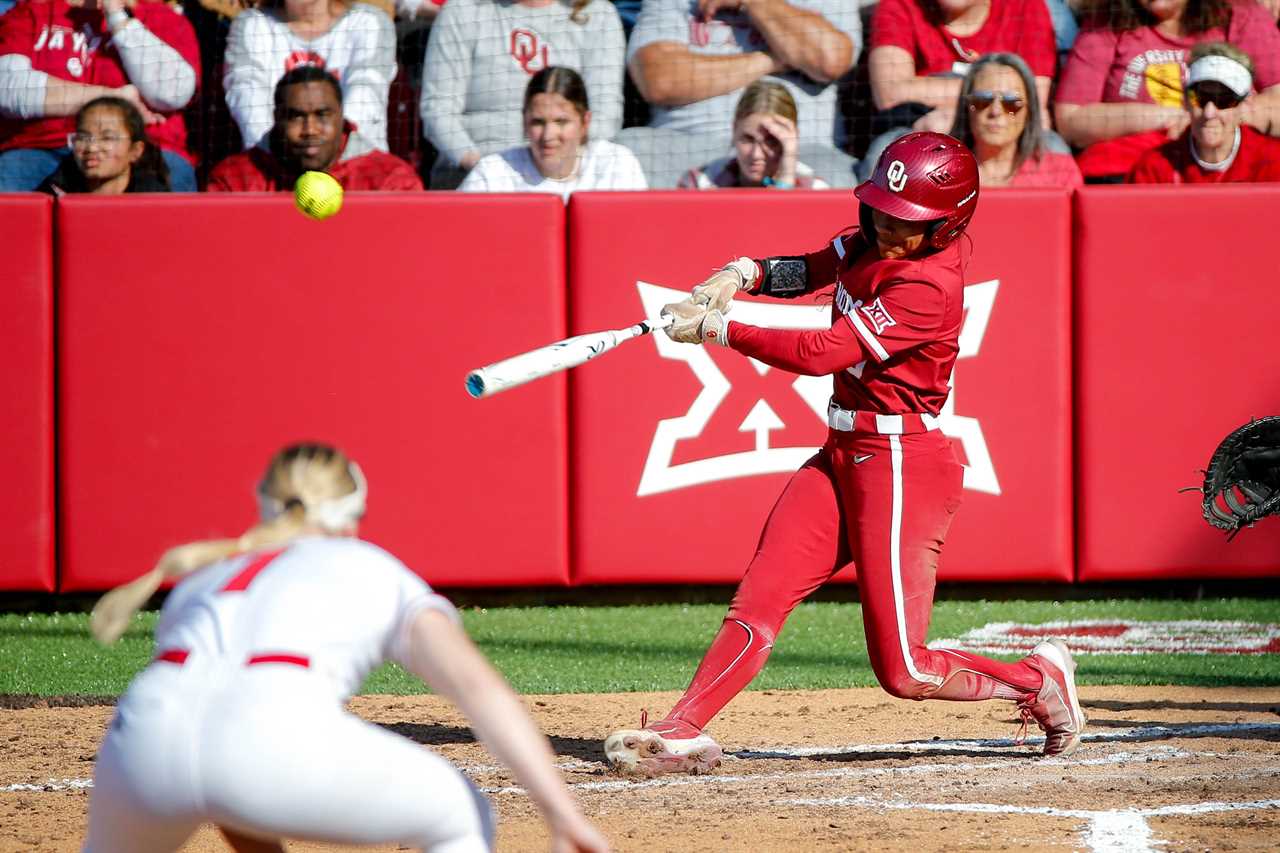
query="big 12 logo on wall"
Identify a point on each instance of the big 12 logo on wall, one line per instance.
(714, 440)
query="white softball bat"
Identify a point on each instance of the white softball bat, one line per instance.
(553, 358)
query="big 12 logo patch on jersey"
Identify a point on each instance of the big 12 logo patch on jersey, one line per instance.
(668, 467)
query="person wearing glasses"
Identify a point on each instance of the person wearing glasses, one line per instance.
(1217, 147)
(110, 154)
(921, 50)
(997, 96)
(58, 55)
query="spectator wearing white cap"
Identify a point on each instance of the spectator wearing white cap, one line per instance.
(1217, 147)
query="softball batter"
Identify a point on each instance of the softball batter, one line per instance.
(883, 489)
(239, 720)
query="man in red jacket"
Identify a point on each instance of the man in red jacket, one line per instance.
(1218, 147)
(310, 134)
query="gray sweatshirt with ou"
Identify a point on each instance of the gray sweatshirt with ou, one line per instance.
(482, 53)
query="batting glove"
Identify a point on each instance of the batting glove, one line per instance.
(717, 292)
(694, 324)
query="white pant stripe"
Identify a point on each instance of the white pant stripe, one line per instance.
(895, 562)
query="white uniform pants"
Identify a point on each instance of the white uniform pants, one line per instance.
(262, 751)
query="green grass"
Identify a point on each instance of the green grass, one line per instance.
(598, 649)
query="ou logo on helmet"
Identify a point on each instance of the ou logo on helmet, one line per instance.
(897, 176)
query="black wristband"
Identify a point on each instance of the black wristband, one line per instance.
(785, 276)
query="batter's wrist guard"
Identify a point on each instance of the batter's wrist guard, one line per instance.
(786, 276)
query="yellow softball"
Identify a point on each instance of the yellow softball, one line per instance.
(318, 195)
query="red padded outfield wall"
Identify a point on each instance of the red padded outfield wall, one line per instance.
(197, 336)
(26, 394)
(670, 438)
(1177, 316)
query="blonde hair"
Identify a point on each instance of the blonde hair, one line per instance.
(1221, 48)
(300, 481)
(765, 97)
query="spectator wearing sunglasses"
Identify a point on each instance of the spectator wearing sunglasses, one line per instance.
(110, 154)
(1121, 91)
(922, 49)
(997, 98)
(1217, 147)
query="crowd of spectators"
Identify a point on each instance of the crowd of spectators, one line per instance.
(564, 95)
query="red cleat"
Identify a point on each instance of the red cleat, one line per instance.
(1056, 708)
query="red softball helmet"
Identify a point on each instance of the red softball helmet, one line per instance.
(924, 176)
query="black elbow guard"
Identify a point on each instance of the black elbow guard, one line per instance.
(786, 276)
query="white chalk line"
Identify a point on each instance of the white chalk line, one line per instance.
(724, 779)
(1001, 745)
(1049, 811)
(51, 785)
(1113, 831)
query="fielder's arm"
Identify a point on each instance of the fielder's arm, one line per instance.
(442, 655)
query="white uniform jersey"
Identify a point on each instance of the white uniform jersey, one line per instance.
(343, 604)
(240, 720)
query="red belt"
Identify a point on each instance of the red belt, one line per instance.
(179, 656)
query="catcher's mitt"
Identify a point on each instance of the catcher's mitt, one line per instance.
(1242, 482)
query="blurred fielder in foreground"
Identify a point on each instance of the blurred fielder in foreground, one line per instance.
(239, 721)
(882, 491)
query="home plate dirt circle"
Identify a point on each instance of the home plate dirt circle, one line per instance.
(1160, 768)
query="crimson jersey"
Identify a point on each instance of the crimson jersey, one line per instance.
(73, 43)
(895, 327)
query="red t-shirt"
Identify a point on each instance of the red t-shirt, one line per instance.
(74, 44)
(1257, 160)
(1053, 169)
(1013, 26)
(895, 328)
(1143, 66)
(258, 171)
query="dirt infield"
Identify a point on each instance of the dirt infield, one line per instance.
(1161, 769)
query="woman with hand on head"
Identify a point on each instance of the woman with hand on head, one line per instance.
(560, 156)
(765, 141)
(997, 98)
(1121, 90)
(240, 720)
(110, 154)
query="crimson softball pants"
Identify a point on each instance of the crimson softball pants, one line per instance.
(885, 504)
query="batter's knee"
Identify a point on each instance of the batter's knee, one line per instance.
(901, 684)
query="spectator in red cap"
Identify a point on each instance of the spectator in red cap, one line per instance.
(310, 134)
(58, 55)
(1217, 147)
